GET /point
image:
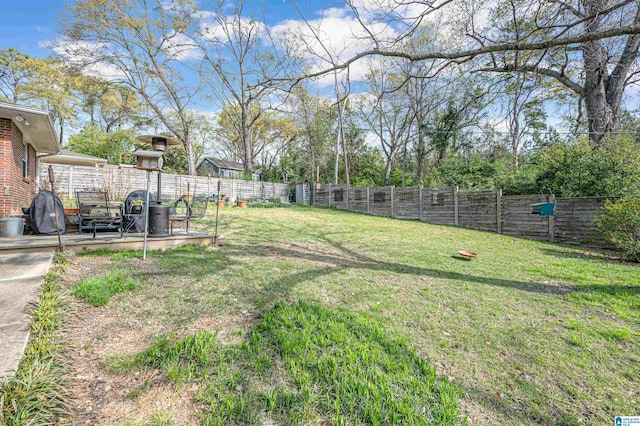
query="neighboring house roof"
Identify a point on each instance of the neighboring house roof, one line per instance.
(73, 158)
(222, 164)
(35, 125)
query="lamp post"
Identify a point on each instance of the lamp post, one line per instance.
(148, 161)
(159, 144)
(159, 224)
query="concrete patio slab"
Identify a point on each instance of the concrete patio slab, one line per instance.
(21, 276)
(80, 243)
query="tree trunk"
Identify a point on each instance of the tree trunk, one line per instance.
(603, 92)
(421, 151)
(246, 138)
(344, 145)
(188, 150)
(598, 112)
(61, 136)
(335, 169)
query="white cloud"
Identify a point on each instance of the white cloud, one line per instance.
(213, 27)
(335, 36)
(182, 47)
(83, 54)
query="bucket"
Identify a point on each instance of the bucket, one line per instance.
(11, 226)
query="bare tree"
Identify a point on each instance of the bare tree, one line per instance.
(387, 114)
(239, 52)
(144, 45)
(588, 46)
(523, 111)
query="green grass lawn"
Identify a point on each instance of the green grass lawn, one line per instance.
(526, 333)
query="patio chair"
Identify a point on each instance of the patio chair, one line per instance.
(184, 211)
(95, 211)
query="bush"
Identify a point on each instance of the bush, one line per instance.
(578, 169)
(620, 224)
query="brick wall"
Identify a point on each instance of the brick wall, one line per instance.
(20, 190)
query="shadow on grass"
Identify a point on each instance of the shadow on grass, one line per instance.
(461, 258)
(583, 255)
(197, 262)
(538, 409)
(332, 257)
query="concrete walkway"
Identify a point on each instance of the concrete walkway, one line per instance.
(21, 276)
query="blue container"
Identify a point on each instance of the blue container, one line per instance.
(543, 209)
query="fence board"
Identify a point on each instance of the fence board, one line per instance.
(517, 219)
(439, 208)
(573, 221)
(406, 203)
(380, 201)
(478, 210)
(483, 210)
(121, 181)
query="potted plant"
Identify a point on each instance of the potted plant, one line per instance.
(136, 206)
(242, 204)
(221, 200)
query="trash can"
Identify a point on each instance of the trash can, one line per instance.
(158, 221)
(11, 226)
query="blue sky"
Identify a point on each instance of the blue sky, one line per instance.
(27, 24)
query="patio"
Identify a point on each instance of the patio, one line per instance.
(80, 243)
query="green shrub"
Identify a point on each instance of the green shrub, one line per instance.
(36, 395)
(98, 290)
(578, 169)
(620, 224)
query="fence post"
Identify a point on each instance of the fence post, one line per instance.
(392, 212)
(499, 211)
(348, 204)
(70, 182)
(329, 196)
(551, 224)
(368, 208)
(420, 201)
(455, 205)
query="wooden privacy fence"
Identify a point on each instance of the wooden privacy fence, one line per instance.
(121, 181)
(482, 210)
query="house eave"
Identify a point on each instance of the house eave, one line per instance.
(71, 160)
(40, 133)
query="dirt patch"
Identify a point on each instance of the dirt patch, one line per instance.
(95, 334)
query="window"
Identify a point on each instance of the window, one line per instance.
(25, 161)
(407, 196)
(338, 195)
(379, 197)
(434, 197)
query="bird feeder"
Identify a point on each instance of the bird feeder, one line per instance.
(543, 209)
(148, 160)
